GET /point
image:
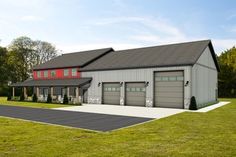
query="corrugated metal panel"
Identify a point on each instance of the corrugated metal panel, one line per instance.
(135, 94)
(204, 79)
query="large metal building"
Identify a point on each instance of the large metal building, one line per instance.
(159, 76)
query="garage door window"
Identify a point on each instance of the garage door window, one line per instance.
(143, 89)
(111, 89)
(158, 78)
(165, 78)
(172, 78)
(180, 78)
(169, 78)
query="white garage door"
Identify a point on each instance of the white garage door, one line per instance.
(169, 89)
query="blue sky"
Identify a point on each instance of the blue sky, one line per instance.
(73, 25)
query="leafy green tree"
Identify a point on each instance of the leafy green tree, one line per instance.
(21, 53)
(227, 75)
(4, 72)
(25, 53)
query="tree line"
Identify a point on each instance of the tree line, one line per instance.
(18, 59)
(227, 75)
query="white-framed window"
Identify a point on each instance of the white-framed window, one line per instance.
(66, 72)
(74, 72)
(38, 74)
(45, 73)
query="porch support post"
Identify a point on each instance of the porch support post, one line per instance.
(51, 88)
(77, 92)
(13, 92)
(68, 91)
(25, 92)
(37, 91)
(77, 95)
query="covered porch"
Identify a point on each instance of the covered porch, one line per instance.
(74, 89)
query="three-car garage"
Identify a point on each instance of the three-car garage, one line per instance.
(168, 91)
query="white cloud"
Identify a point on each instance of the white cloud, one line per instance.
(159, 24)
(156, 30)
(31, 18)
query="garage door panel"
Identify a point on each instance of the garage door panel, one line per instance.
(169, 84)
(134, 98)
(168, 89)
(169, 99)
(169, 94)
(175, 73)
(111, 94)
(170, 104)
(136, 94)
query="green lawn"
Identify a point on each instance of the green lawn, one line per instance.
(186, 134)
(3, 101)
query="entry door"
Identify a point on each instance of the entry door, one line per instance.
(135, 94)
(111, 93)
(45, 92)
(63, 92)
(169, 89)
(85, 95)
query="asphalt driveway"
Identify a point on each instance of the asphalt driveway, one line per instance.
(84, 120)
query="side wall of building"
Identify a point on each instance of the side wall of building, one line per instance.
(204, 79)
(132, 75)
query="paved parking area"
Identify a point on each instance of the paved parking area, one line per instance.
(145, 112)
(84, 120)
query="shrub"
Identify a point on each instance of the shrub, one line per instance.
(34, 98)
(65, 99)
(8, 96)
(22, 96)
(49, 98)
(193, 104)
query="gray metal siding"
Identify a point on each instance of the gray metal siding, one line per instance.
(135, 94)
(204, 79)
(111, 93)
(132, 75)
(169, 89)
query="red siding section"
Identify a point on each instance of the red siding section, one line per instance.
(59, 74)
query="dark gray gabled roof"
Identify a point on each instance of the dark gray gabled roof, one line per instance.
(54, 82)
(76, 59)
(157, 56)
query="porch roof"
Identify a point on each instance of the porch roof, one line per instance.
(55, 82)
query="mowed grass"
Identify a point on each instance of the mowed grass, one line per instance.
(3, 101)
(186, 134)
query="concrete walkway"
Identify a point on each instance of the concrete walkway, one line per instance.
(133, 111)
(144, 112)
(212, 107)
